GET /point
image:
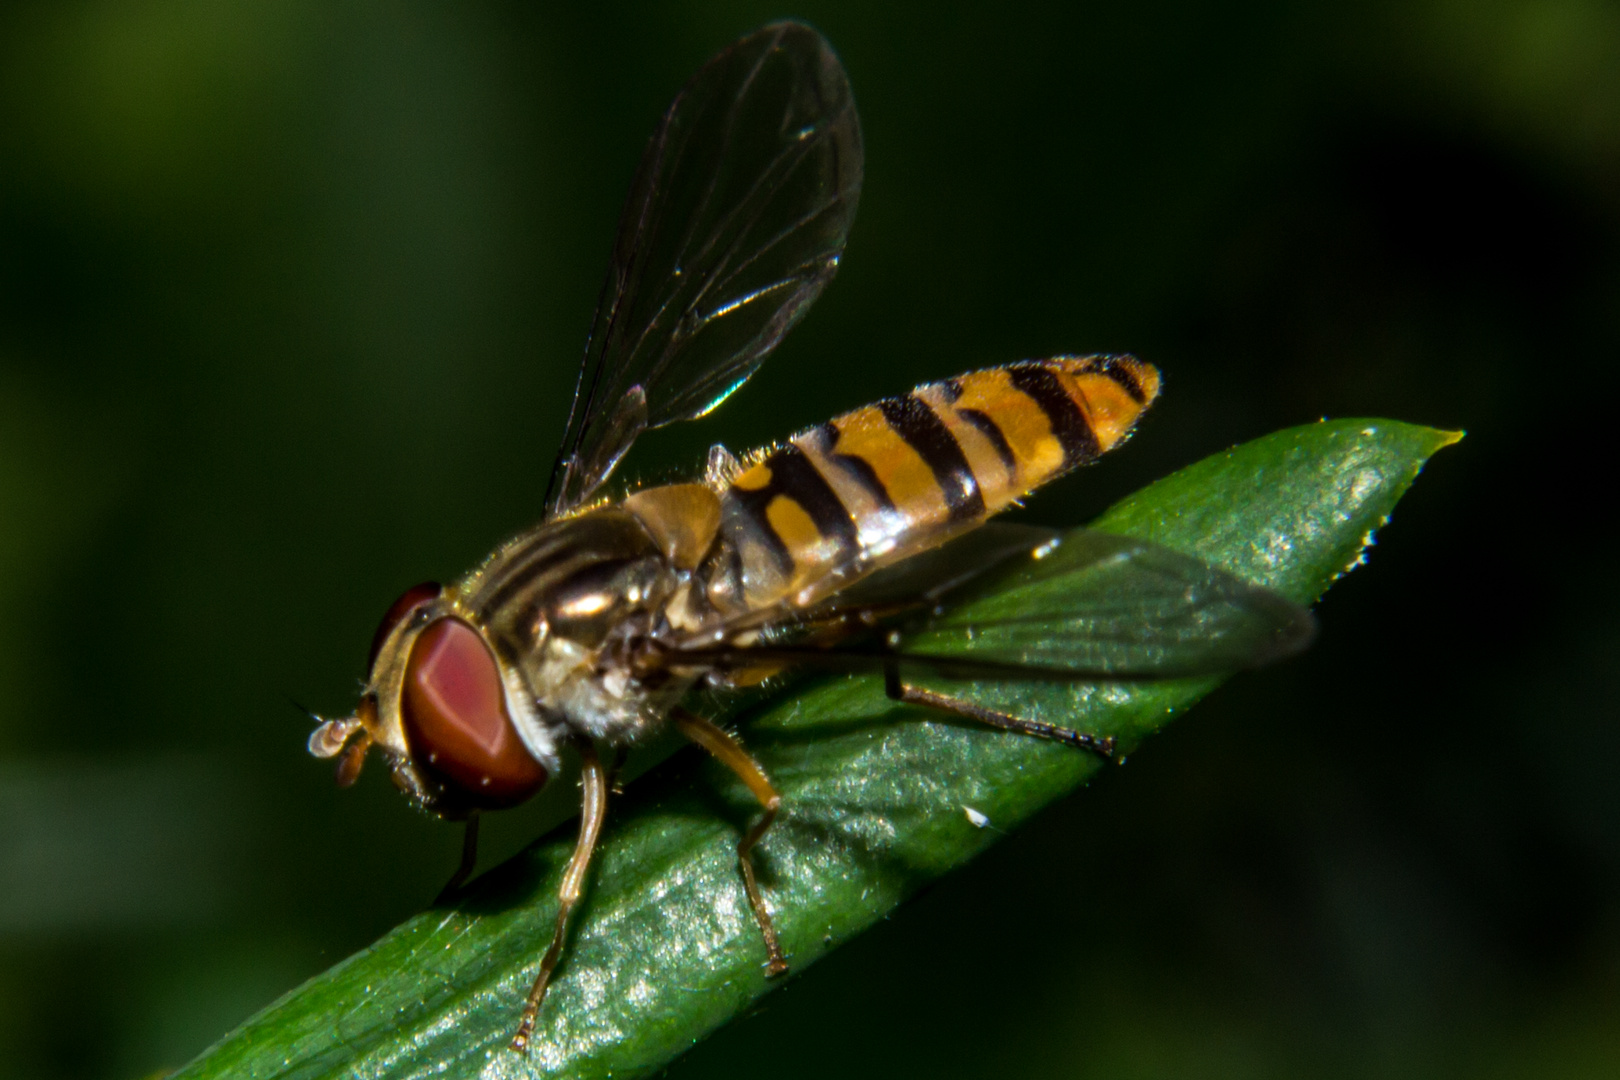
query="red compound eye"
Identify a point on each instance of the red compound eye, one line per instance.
(454, 708)
(411, 598)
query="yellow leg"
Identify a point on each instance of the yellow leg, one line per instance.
(1102, 746)
(731, 754)
(594, 792)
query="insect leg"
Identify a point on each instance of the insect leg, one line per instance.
(594, 792)
(621, 754)
(469, 860)
(1102, 746)
(731, 754)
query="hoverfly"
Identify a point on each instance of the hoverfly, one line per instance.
(589, 629)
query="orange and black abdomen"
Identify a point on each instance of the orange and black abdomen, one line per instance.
(905, 474)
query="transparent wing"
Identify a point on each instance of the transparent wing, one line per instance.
(915, 584)
(929, 576)
(735, 223)
(1097, 607)
(1113, 607)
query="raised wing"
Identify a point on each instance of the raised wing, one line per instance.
(735, 223)
(1095, 608)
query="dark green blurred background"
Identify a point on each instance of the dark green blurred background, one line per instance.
(281, 283)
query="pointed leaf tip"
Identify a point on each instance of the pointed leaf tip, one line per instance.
(665, 950)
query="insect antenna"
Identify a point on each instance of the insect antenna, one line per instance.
(336, 739)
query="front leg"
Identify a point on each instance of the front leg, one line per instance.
(469, 862)
(593, 809)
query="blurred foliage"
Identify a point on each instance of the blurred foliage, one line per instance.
(290, 298)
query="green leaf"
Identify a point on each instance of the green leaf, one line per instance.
(875, 799)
